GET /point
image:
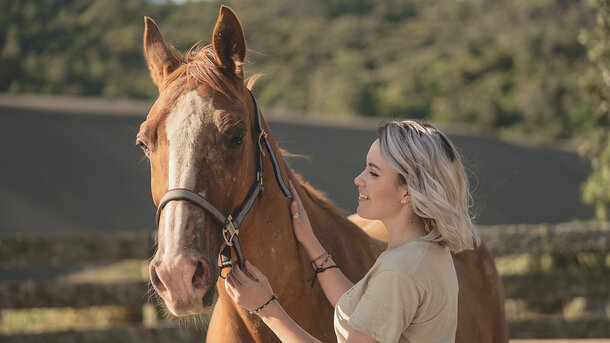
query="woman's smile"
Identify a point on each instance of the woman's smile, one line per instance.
(362, 197)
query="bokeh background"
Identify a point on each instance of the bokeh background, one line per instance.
(522, 88)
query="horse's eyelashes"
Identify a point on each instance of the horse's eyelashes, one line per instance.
(143, 146)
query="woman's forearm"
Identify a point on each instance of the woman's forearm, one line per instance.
(334, 283)
(284, 327)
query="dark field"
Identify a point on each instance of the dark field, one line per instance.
(75, 172)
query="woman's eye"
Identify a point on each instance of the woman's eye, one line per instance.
(373, 174)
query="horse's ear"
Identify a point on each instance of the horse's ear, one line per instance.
(229, 42)
(162, 60)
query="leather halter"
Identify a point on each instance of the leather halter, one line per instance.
(230, 224)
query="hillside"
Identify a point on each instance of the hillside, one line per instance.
(73, 166)
(507, 65)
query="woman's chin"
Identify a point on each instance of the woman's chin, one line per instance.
(361, 213)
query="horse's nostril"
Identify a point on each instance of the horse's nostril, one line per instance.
(198, 277)
(156, 281)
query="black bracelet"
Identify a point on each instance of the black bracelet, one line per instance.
(317, 271)
(315, 266)
(273, 297)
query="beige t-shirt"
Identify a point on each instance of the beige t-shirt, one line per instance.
(409, 295)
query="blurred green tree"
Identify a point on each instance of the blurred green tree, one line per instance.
(596, 189)
(508, 66)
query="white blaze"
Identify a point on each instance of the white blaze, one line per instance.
(183, 129)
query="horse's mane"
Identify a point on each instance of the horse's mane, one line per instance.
(197, 66)
(319, 198)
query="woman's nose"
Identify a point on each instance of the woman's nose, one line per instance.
(357, 180)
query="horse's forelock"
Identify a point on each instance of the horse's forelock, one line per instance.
(198, 66)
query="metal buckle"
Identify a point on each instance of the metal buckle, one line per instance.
(260, 145)
(230, 228)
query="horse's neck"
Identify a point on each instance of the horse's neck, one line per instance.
(348, 244)
(332, 228)
(268, 241)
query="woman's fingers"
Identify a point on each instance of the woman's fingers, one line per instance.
(292, 189)
(254, 271)
(229, 288)
(294, 192)
(233, 280)
(240, 276)
(294, 209)
(247, 292)
(297, 199)
(229, 283)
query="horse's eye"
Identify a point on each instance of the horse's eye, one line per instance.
(143, 146)
(238, 139)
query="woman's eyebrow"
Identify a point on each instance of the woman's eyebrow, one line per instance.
(374, 165)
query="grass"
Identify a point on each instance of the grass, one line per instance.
(60, 319)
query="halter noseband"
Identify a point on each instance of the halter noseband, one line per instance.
(230, 224)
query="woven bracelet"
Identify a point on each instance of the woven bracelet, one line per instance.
(314, 266)
(273, 297)
(317, 271)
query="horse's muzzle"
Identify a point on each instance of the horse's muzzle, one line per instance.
(183, 283)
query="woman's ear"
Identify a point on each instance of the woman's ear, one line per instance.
(405, 196)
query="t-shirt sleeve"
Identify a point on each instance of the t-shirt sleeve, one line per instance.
(387, 307)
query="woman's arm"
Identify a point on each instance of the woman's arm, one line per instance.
(251, 294)
(334, 283)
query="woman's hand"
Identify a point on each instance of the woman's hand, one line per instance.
(300, 220)
(252, 294)
(246, 292)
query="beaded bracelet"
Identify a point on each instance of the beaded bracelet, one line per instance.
(273, 297)
(319, 257)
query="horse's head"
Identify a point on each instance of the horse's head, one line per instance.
(197, 136)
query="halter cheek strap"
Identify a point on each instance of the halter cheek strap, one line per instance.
(231, 224)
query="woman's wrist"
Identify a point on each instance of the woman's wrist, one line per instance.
(273, 310)
(260, 308)
(313, 248)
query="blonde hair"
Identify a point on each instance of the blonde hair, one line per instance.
(430, 166)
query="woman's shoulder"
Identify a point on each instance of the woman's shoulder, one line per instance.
(413, 258)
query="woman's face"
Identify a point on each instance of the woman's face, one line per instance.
(379, 190)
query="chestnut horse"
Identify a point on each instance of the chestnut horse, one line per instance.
(203, 137)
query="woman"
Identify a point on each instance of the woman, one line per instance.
(414, 182)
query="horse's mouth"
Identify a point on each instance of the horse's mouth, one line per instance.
(207, 303)
(190, 306)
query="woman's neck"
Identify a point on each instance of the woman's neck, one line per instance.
(403, 228)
